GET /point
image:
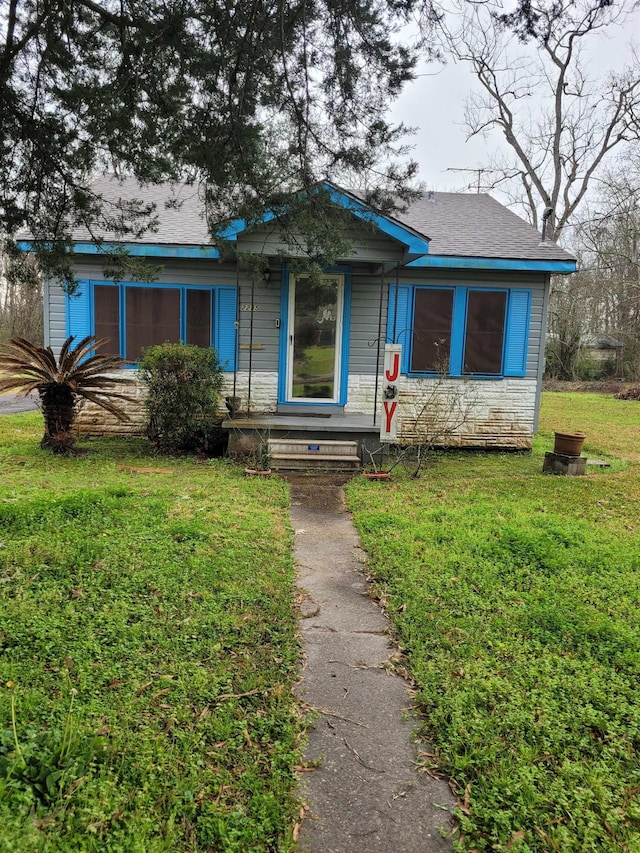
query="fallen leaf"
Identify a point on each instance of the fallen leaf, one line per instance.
(143, 687)
(161, 693)
(517, 836)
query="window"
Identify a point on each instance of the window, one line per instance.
(199, 317)
(152, 316)
(107, 310)
(467, 331)
(134, 316)
(433, 316)
(484, 331)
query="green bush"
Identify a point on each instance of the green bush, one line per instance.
(183, 392)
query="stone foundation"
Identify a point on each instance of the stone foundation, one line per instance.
(94, 421)
(449, 412)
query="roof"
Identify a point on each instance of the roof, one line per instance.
(179, 211)
(600, 341)
(475, 224)
(436, 225)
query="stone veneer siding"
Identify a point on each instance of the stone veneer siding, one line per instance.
(92, 420)
(485, 413)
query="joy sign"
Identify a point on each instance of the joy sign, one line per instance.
(391, 392)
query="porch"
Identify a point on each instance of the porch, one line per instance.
(336, 441)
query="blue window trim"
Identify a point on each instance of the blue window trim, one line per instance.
(458, 331)
(122, 308)
(68, 329)
(284, 338)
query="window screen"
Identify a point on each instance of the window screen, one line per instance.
(106, 302)
(199, 317)
(153, 317)
(432, 318)
(484, 334)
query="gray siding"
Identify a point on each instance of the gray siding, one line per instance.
(367, 244)
(55, 316)
(266, 336)
(365, 311)
(266, 299)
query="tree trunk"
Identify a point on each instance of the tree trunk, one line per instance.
(58, 403)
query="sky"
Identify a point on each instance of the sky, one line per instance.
(434, 104)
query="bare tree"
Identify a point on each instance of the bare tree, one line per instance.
(611, 238)
(560, 125)
(20, 298)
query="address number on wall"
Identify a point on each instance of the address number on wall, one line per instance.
(247, 306)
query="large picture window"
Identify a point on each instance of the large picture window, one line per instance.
(152, 317)
(136, 317)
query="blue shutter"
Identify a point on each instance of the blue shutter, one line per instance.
(402, 314)
(517, 333)
(225, 331)
(79, 319)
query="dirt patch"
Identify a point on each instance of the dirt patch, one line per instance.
(632, 393)
(318, 492)
(605, 386)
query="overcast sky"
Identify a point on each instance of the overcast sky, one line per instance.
(434, 104)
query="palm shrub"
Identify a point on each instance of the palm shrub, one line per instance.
(184, 384)
(77, 373)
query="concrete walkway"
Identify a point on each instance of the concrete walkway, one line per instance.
(366, 795)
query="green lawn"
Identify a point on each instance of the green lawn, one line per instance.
(611, 426)
(147, 652)
(516, 597)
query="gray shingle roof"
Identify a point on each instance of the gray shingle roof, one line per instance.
(476, 225)
(179, 212)
(456, 224)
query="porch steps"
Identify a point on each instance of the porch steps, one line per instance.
(304, 455)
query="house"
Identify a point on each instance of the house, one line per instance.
(602, 348)
(459, 282)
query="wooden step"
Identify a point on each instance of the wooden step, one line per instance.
(299, 455)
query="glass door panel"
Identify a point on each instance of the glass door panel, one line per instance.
(315, 325)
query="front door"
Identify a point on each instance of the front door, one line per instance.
(316, 309)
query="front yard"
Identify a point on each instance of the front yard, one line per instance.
(516, 597)
(147, 652)
(148, 642)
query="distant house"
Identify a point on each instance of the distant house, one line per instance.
(601, 347)
(459, 281)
